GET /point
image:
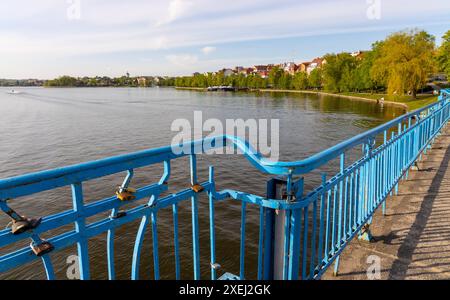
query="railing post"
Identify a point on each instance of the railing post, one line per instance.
(365, 234)
(277, 232)
(269, 226)
(384, 182)
(80, 228)
(341, 185)
(194, 216)
(280, 235)
(294, 236)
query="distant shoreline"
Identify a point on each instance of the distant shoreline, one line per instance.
(402, 105)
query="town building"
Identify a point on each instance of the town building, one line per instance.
(142, 81)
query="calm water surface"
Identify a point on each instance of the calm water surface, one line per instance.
(48, 128)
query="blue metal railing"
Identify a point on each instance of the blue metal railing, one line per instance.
(300, 241)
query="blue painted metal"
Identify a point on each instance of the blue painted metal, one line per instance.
(318, 224)
(242, 247)
(212, 233)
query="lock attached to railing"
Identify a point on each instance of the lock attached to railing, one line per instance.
(197, 188)
(126, 193)
(19, 223)
(24, 224)
(43, 248)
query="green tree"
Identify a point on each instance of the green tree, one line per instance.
(300, 81)
(338, 72)
(443, 54)
(275, 77)
(362, 79)
(315, 78)
(405, 61)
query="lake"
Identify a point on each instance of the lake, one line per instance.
(43, 128)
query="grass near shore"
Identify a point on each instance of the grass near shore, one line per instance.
(408, 102)
(413, 104)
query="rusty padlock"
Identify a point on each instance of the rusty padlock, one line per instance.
(41, 249)
(197, 188)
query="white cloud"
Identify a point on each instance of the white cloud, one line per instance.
(182, 60)
(175, 10)
(40, 31)
(208, 50)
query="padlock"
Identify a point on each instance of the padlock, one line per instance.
(126, 194)
(41, 249)
(20, 226)
(197, 188)
(119, 215)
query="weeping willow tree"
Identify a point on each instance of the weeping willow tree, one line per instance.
(404, 61)
(443, 55)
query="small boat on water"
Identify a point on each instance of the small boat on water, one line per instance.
(14, 92)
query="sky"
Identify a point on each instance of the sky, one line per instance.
(50, 38)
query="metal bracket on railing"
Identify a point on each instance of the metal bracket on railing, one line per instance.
(294, 194)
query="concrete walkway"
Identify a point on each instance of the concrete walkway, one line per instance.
(413, 239)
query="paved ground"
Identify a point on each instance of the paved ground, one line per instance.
(413, 239)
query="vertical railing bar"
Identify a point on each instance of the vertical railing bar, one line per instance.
(345, 212)
(268, 242)
(322, 216)
(305, 240)
(294, 247)
(194, 212)
(287, 232)
(340, 212)
(80, 227)
(351, 202)
(356, 198)
(287, 223)
(334, 223)
(242, 246)
(313, 241)
(175, 240)
(110, 250)
(49, 271)
(155, 245)
(211, 224)
(138, 246)
(341, 190)
(111, 232)
(46, 260)
(327, 231)
(260, 242)
(384, 173)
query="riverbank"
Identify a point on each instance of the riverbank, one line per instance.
(406, 102)
(347, 96)
(190, 88)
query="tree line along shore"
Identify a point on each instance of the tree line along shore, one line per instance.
(400, 68)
